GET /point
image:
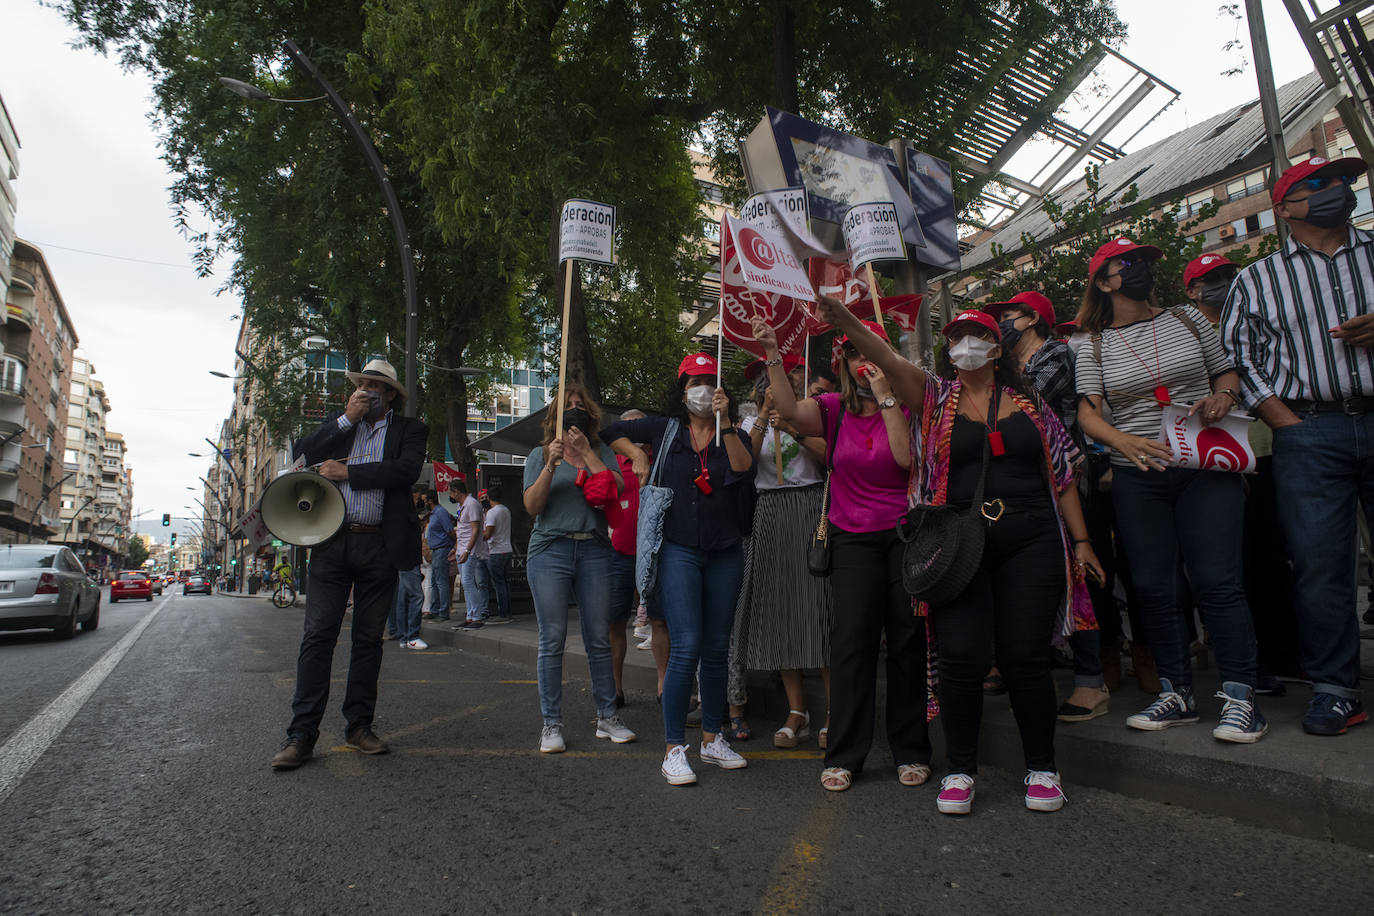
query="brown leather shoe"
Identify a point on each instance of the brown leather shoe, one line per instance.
(364, 740)
(293, 753)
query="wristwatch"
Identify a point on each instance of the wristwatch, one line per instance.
(887, 402)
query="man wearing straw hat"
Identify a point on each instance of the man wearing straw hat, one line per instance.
(374, 455)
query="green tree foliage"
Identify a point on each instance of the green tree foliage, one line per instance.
(135, 553)
(1058, 264)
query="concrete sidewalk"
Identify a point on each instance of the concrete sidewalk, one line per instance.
(1321, 788)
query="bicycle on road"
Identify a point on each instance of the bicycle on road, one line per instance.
(284, 596)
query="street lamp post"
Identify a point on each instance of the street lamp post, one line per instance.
(393, 204)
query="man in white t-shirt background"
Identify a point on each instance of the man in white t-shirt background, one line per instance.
(470, 551)
(497, 535)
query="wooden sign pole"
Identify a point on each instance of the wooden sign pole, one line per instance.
(569, 266)
(777, 453)
(873, 294)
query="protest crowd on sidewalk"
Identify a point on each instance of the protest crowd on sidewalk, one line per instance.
(1131, 492)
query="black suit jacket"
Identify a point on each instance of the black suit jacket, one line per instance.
(403, 455)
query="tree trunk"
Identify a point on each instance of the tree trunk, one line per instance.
(784, 57)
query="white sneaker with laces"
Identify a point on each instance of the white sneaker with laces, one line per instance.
(416, 643)
(614, 727)
(720, 753)
(551, 740)
(676, 769)
(648, 642)
(643, 632)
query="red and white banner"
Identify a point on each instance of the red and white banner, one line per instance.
(444, 474)
(759, 275)
(1223, 446)
(254, 528)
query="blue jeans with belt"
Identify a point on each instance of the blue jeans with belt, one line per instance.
(1162, 516)
(564, 569)
(1322, 467)
(699, 590)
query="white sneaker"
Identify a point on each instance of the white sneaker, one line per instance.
(648, 642)
(676, 769)
(722, 755)
(643, 632)
(551, 740)
(416, 643)
(614, 728)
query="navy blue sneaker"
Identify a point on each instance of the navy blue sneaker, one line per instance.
(1170, 709)
(1241, 720)
(1329, 714)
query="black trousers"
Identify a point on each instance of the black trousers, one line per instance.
(356, 563)
(866, 574)
(1007, 611)
(1268, 577)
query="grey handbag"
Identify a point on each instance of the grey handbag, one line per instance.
(654, 502)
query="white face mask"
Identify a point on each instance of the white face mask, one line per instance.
(698, 400)
(970, 353)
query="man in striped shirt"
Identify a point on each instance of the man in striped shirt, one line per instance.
(1300, 326)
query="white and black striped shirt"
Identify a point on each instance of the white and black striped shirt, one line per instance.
(1185, 363)
(1277, 320)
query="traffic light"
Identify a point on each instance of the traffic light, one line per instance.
(174, 538)
(166, 519)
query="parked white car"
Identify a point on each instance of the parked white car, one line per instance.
(45, 586)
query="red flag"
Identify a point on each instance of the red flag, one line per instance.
(784, 314)
(443, 473)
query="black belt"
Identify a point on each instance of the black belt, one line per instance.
(1353, 406)
(354, 528)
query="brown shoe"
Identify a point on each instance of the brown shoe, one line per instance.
(294, 752)
(363, 740)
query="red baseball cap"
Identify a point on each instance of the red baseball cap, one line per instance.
(756, 368)
(872, 326)
(1316, 167)
(1036, 302)
(697, 364)
(982, 319)
(1115, 249)
(1199, 267)
(482, 494)
(1066, 327)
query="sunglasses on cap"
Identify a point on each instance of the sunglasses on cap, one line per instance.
(1318, 183)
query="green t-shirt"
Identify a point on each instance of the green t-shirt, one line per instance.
(566, 511)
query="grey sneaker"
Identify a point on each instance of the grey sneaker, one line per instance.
(676, 769)
(551, 740)
(720, 753)
(614, 728)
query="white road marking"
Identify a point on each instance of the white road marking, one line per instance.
(28, 744)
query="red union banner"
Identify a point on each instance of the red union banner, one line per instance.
(1224, 446)
(443, 473)
(741, 300)
(837, 280)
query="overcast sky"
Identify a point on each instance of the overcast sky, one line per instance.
(93, 194)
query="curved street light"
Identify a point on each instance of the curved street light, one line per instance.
(374, 161)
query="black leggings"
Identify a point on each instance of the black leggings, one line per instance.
(1011, 604)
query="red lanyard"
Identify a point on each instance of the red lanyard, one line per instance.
(1157, 374)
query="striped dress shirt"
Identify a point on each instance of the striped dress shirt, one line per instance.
(364, 507)
(1277, 319)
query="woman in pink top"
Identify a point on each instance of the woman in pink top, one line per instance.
(870, 443)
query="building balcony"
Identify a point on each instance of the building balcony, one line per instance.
(18, 314)
(8, 467)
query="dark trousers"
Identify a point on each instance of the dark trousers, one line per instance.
(1007, 613)
(1268, 577)
(1163, 516)
(866, 574)
(355, 562)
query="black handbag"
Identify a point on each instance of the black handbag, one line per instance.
(944, 544)
(818, 551)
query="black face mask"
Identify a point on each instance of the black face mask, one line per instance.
(576, 416)
(1011, 335)
(1331, 206)
(1214, 291)
(1137, 280)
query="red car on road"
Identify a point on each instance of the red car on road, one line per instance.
(131, 584)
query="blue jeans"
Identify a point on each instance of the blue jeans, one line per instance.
(439, 589)
(699, 590)
(1322, 466)
(562, 570)
(498, 568)
(1196, 515)
(405, 610)
(475, 587)
(623, 594)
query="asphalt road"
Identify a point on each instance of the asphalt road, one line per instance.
(157, 798)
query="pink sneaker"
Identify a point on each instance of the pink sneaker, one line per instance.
(956, 794)
(1043, 792)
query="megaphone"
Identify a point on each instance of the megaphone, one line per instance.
(303, 508)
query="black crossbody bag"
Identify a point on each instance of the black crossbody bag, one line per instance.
(944, 544)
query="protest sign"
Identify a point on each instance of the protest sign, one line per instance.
(444, 474)
(1223, 446)
(783, 213)
(873, 232)
(741, 299)
(586, 232)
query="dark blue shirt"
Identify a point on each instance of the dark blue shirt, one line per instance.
(695, 519)
(439, 534)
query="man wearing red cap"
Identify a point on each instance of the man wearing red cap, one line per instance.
(1299, 325)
